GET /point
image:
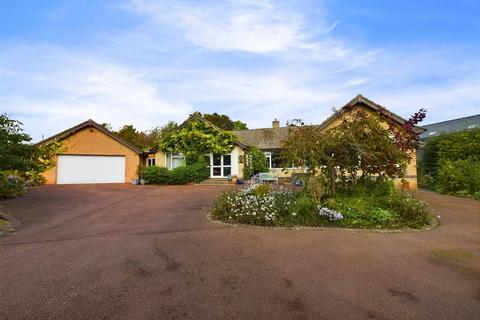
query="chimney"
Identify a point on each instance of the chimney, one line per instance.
(275, 123)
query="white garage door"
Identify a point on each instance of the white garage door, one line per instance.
(90, 169)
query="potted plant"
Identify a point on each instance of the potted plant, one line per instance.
(140, 172)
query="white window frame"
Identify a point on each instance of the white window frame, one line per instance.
(151, 162)
(173, 155)
(221, 166)
(268, 155)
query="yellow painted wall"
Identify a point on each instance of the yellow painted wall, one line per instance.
(160, 158)
(91, 141)
(241, 166)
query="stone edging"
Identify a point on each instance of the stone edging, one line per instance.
(9, 227)
(435, 223)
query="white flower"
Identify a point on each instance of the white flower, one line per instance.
(332, 215)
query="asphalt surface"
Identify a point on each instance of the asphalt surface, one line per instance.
(149, 252)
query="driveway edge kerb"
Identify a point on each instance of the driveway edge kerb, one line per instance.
(435, 223)
(9, 228)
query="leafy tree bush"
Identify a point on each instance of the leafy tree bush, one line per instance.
(198, 137)
(143, 139)
(15, 151)
(451, 163)
(359, 148)
(19, 160)
(461, 175)
(256, 162)
(224, 122)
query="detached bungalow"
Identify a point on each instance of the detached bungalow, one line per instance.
(95, 155)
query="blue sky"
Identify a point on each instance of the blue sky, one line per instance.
(144, 62)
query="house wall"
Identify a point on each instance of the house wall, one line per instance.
(160, 159)
(91, 141)
(237, 168)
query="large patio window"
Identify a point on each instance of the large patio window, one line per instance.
(221, 165)
(175, 160)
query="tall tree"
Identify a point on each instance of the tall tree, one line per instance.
(224, 122)
(15, 151)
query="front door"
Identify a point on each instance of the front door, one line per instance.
(221, 165)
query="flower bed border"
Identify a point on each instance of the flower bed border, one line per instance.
(434, 224)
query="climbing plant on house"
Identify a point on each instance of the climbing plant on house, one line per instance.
(195, 138)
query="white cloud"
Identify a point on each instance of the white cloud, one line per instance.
(251, 26)
(47, 86)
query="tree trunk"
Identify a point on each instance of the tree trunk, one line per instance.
(332, 180)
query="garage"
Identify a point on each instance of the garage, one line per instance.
(92, 154)
(73, 169)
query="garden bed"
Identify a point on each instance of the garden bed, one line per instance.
(372, 205)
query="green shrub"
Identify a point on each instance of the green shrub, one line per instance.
(305, 210)
(380, 216)
(407, 208)
(451, 163)
(11, 184)
(157, 175)
(378, 204)
(190, 173)
(458, 176)
(366, 188)
(181, 175)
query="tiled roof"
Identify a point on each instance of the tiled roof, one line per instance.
(266, 138)
(86, 124)
(272, 138)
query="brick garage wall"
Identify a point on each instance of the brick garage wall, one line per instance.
(91, 141)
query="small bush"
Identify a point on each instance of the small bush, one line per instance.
(157, 175)
(409, 209)
(11, 184)
(458, 176)
(304, 209)
(180, 175)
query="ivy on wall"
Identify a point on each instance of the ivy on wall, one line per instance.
(196, 138)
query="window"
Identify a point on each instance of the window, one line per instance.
(150, 162)
(221, 165)
(274, 159)
(175, 160)
(268, 155)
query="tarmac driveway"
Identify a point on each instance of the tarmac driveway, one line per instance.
(132, 252)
